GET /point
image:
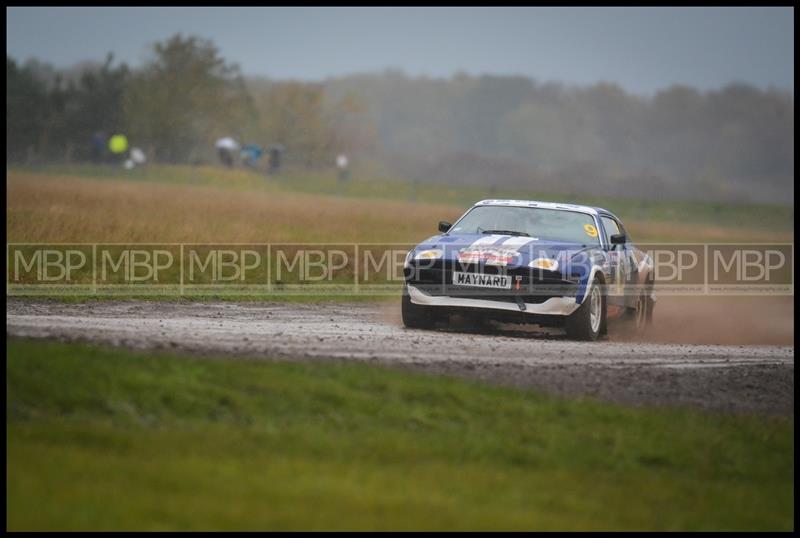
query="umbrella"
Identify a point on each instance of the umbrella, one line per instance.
(227, 143)
(138, 156)
(252, 149)
(118, 143)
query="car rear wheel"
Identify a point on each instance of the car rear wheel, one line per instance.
(588, 320)
(417, 316)
(641, 316)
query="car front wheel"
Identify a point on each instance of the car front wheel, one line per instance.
(417, 316)
(586, 322)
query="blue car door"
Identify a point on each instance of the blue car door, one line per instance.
(623, 271)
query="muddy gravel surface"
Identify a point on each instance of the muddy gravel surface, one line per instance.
(728, 378)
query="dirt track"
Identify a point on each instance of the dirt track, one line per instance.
(729, 378)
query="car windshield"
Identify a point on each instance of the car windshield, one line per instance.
(537, 222)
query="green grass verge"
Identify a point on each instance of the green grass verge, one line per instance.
(105, 439)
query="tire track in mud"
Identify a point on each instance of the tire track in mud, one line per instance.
(732, 378)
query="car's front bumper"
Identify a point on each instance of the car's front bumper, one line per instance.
(554, 306)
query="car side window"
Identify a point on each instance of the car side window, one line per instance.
(622, 230)
(611, 227)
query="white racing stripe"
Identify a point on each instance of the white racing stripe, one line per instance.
(509, 245)
(516, 242)
(485, 241)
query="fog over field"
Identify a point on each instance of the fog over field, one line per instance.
(311, 268)
(732, 143)
(638, 103)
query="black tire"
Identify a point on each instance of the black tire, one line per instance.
(641, 316)
(583, 324)
(417, 316)
(651, 306)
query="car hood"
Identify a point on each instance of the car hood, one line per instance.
(505, 250)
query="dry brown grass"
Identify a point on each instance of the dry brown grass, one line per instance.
(676, 232)
(47, 208)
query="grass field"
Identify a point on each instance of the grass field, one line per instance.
(105, 439)
(184, 204)
(205, 204)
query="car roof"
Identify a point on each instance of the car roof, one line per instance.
(602, 212)
(547, 205)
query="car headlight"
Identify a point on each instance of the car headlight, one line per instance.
(547, 264)
(430, 254)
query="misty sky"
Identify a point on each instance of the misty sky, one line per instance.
(642, 49)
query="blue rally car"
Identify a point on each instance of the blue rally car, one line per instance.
(522, 261)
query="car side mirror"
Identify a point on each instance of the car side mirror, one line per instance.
(618, 239)
(444, 226)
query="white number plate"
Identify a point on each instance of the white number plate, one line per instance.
(482, 281)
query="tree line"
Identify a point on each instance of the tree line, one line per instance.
(733, 143)
(174, 107)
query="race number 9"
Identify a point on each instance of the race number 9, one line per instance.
(590, 230)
